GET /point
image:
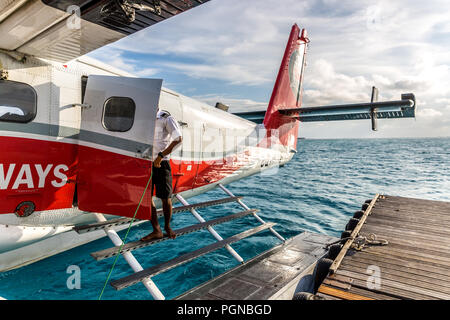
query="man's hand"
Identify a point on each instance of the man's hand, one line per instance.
(157, 162)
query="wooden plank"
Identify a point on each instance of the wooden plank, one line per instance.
(404, 224)
(429, 221)
(413, 266)
(348, 243)
(371, 294)
(441, 208)
(411, 246)
(395, 284)
(326, 297)
(152, 271)
(407, 210)
(415, 201)
(385, 291)
(410, 255)
(340, 278)
(420, 281)
(407, 250)
(110, 252)
(409, 243)
(356, 289)
(422, 204)
(337, 284)
(407, 238)
(341, 294)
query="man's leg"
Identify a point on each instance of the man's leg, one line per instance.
(167, 209)
(157, 233)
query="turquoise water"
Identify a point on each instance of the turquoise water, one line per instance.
(318, 191)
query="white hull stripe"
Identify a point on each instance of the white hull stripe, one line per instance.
(93, 139)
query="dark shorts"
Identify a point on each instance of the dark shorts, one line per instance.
(162, 180)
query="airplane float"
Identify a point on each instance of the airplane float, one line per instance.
(73, 130)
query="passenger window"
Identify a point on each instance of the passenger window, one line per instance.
(18, 101)
(118, 114)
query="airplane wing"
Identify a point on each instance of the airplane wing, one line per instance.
(404, 108)
(65, 30)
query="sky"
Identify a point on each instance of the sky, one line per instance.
(230, 51)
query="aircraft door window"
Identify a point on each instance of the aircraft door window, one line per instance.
(118, 114)
(18, 101)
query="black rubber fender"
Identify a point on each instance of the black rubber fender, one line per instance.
(344, 235)
(364, 206)
(321, 272)
(351, 224)
(333, 251)
(358, 214)
(368, 201)
(305, 296)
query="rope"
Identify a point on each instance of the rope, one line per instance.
(335, 242)
(362, 241)
(126, 235)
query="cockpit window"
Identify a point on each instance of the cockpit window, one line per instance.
(18, 101)
(118, 114)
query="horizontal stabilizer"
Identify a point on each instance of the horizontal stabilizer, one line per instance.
(404, 108)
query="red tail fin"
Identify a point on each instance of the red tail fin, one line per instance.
(287, 92)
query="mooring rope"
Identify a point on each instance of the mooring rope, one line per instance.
(360, 241)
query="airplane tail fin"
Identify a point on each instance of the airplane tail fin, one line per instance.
(287, 92)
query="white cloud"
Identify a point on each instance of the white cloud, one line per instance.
(429, 113)
(398, 46)
(115, 58)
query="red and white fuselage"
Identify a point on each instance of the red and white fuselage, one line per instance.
(71, 161)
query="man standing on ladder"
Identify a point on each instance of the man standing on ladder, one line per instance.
(167, 136)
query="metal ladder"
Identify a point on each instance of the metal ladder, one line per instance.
(144, 275)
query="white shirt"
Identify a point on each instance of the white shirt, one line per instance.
(166, 130)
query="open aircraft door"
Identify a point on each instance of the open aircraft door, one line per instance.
(117, 124)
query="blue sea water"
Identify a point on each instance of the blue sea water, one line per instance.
(318, 191)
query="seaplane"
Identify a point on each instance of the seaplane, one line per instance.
(74, 131)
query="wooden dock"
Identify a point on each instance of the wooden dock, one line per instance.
(272, 275)
(409, 257)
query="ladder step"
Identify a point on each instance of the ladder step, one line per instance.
(152, 271)
(205, 204)
(110, 252)
(121, 221)
(102, 225)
